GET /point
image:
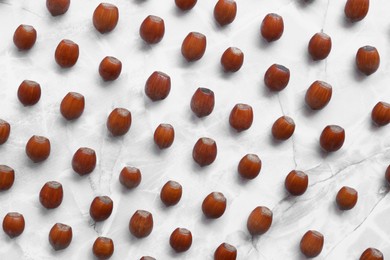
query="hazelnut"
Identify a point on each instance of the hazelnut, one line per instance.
(332, 138)
(180, 240)
(371, 254)
(7, 177)
(152, 29)
(296, 182)
(249, 166)
(110, 68)
(29, 92)
(130, 177)
(84, 161)
(241, 117)
(72, 105)
(283, 128)
(51, 195)
(312, 243)
(13, 224)
(380, 114)
(60, 236)
(202, 102)
(25, 37)
(214, 205)
(356, 10)
(147, 258)
(105, 17)
(320, 46)
(225, 11)
(259, 221)
(318, 95)
(276, 77)
(158, 86)
(66, 54)
(204, 151)
(57, 7)
(141, 224)
(38, 148)
(367, 60)
(346, 198)
(103, 248)
(193, 46)
(387, 175)
(101, 208)
(119, 121)
(232, 59)
(185, 5)
(171, 193)
(5, 129)
(164, 136)
(225, 251)
(272, 27)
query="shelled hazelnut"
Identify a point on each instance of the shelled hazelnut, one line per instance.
(272, 27)
(51, 195)
(194, 46)
(380, 114)
(320, 46)
(13, 224)
(101, 208)
(180, 240)
(318, 95)
(346, 198)
(332, 138)
(7, 177)
(5, 129)
(367, 60)
(25, 37)
(371, 254)
(84, 161)
(57, 7)
(356, 10)
(171, 193)
(225, 251)
(66, 54)
(164, 136)
(296, 182)
(249, 166)
(225, 11)
(158, 86)
(103, 248)
(185, 5)
(152, 29)
(119, 121)
(141, 224)
(283, 128)
(276, 77)
(214, 205)
(241, 117)
(202, 102)
(29, 92)
(204, 151)
(259, 221)
(60, 236)
(38, 148)
(312, 243)
(232, 59)
(105, 17)
(72, 106)
(130, 177)
(110, 68)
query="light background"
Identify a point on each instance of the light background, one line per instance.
(361, 163)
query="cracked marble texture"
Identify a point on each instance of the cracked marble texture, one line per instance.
(361, 163)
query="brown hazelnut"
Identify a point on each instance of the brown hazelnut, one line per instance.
(180, 240)
(204, 151)
(367, 60)
(249, 166)
(346, 198)
(72, 105)
(5, 129)
(164, 136)
(214, 205)
(29, 92)
(276, 77)
(171, 193)
(101, 208)
(57, 7)
(103, 248)
(7, 177)
(51, 195)
(225, 251)
(13, 224)
(38, 148)
(225, 11)
(296, 182)
(193, 46)
(66, 54)
(241, 117)
(147, 258)
(84, 161)
(332, 138)
(60, 236)
(259, 221)
(318, 95)
(320, 46)
(356, 10)
(130, 177)
(283, 128)
(232, 59)
(105, 17)
(312, 243)
(119, 121)
(110, 68)
(152, 29)
(185, 5)
(25, 37)
(158, 86)
(202, 102)
(387, 175)
(380, 114)
(141, 224)
(371, 254)
(272, 27)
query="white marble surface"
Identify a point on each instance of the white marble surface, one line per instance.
(361, 162)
